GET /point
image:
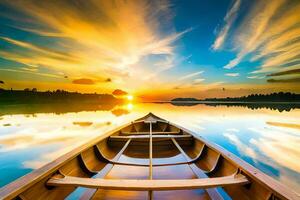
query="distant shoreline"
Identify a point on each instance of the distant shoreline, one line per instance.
(227, 102)
(32, 96)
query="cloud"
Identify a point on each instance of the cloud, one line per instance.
(276, 144)
(198, 81)
(83, 81)
(167, 63)
(289, 80)
(32, 72)
(256, 77)
(119, 112)
(268, 34)
(119, 92)
(232, 74)
(232, 130)
(1, 82)
(242, 147)
(190, 75)
(51, 53)
(288, 72)
(284, 125)
(99, 37)
(83, 124)
(229, 20)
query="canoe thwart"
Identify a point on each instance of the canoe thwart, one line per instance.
(145, 185)
(148, 136)
(153, 133)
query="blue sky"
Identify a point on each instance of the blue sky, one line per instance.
(153, 49)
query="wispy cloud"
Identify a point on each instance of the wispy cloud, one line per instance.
(287, 72)
(232, 74)
(228, 21)
(268, 35)
(198, 81)
(288, 80)
(191, 75)
(167, 63)
(31, 72)
(255, 77)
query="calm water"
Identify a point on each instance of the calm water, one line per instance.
(33, 135)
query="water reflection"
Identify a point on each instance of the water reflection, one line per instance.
(253, 106)
(267, 139)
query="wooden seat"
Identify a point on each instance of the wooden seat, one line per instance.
(153, 133)
(116, 137)
(144, 185)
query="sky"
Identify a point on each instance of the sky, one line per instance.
(155, 50)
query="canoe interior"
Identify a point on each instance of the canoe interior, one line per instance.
(125, 154)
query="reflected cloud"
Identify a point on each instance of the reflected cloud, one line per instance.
(101, 124)
(119, 111)
(83, 124)
(233, 130)
(277, 145)
(245, 149)
(23, 141)
(284, 125)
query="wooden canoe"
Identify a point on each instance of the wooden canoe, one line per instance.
(149, 158)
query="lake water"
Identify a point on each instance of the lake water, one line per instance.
(33, 135)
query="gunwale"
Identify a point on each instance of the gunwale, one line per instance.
(15, 188)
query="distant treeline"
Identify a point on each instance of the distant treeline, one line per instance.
(57, 108)
(59, 96)
(273, 97)
(275, 101)
(255, 106)
(185, 99)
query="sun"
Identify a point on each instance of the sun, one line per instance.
(129, 106)
(130, 97)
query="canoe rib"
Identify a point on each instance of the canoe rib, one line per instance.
(144, 185)
(90, 192)
(84, 166)
(212, 192)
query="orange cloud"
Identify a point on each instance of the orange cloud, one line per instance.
(119, 92)
(83, 81)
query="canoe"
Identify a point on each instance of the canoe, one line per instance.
(149, 158)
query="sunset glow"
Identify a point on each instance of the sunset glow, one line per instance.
(157, 50)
